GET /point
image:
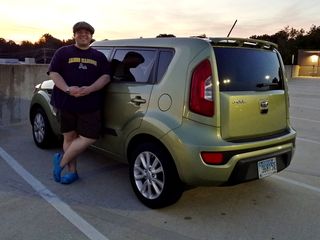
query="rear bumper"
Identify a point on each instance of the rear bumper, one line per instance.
(186, 144)
(246, 169)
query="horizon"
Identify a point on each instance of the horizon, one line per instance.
(33, 19)
(71, 38)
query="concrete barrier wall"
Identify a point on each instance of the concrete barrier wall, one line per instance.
(16, 87)
(292, 71)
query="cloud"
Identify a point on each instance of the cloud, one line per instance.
(148, 18)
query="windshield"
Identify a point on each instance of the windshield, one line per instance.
(244, 69)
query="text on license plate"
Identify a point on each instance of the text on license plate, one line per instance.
(267, 167)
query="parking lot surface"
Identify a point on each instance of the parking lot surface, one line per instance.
(101, 205)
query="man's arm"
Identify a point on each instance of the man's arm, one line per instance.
(61, 84)
(58, 81)
(96, 86)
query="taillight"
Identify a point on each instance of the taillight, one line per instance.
(212, 158)
(201, 101)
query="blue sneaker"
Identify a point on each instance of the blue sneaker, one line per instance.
(69, 178)
(56, 167)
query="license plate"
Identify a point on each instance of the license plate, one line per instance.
(267, 167)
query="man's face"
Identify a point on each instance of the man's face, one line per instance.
(83, 38)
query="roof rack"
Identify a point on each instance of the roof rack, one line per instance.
(202, 37)
(243, 42)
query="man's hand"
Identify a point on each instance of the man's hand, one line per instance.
(74, 91)
(85, 90)
(80, 91)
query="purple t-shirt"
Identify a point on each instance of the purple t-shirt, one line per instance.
(78, 68)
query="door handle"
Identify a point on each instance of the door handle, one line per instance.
(138, 100)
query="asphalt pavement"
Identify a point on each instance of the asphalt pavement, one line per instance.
(101, 205)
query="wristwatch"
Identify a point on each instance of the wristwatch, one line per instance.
(68, 90)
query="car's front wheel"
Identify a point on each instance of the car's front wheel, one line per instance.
(153, 176)
(41, 130)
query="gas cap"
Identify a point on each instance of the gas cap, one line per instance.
(164, 102)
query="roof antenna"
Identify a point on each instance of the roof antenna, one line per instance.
(232, 28)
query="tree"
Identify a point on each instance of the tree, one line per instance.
(49, 41)
(290, 40)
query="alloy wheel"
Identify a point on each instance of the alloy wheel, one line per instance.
(39, 127)
(149, 175)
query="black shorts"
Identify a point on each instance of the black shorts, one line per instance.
(85, 124)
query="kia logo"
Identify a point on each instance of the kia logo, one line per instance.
(264, 106)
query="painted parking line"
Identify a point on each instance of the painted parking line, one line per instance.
(63, 208)
(296, 183)
(308, 140)
(303, 106)
(305, 119)
(300, 184)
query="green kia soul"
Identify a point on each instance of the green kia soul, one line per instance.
(187, 111)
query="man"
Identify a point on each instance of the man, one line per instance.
(79, 73)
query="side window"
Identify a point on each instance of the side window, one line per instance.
(133, 65)
(106, 52)
(165, 58)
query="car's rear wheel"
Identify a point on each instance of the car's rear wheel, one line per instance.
(41, 130)
(153, 176)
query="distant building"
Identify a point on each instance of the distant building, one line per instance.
(30, 61)
(16, 61)
(308, 63)
(9, 61)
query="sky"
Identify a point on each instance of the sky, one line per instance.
(30, 19)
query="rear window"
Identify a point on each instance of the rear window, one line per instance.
(243, 69)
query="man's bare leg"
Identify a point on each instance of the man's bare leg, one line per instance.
(68, 138)
(76, 147)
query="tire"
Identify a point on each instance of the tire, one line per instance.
(153, 176)
(41, 129)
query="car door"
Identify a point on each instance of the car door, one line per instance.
(127, 96)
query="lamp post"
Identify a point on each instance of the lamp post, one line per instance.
(314, 60)
(318, 63)
(292, 65)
